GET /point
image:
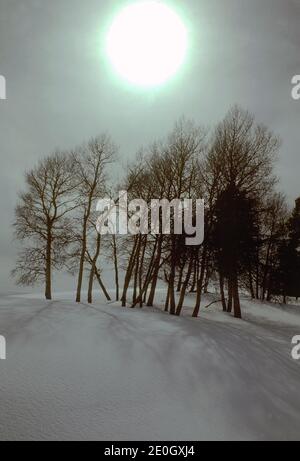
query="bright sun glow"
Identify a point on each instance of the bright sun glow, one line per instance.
(147, 43)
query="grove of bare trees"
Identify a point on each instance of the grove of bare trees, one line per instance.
(251, 242)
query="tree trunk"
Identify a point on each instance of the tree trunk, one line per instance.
(181, 271)
(251, 287)
(167, 300)
(141, 272)
(236, 298)
(81, 262)
(48, 278)
(155, 273)
(230, 295)
(257, 278)
(207, 279)
(184, 287)
(195, 276)
(221, 277)
(115, 252)
(149, 272)
(200, 284)
(91, 282)
(102, 285)
(172, 278)
(129, 272)
(136, 272)
(93, 267)
(267, 263)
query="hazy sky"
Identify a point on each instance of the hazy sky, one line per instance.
(61, 89)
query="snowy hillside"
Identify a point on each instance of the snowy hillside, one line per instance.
(102, 372)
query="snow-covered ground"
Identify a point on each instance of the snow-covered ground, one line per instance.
(80, 372)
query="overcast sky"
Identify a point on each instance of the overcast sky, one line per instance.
(61, 89)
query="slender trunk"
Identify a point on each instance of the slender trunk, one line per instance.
(266, 271)
(82, 258)
(267, 263)
(184, 288)
(141, 272)
(102, 286)
(181, 272)
(155, 273)
(167, 300)
(221, 277)
(136, 272)
(172, 278)
(236, 298)
(149, 272)
(251, 287)
(230, 295)
(93, 268)
(194, 282)
(115, 253)
(200, 284)
(207, 278)
(91, 282)
(48, 274)
(257, 278)
(129, 272)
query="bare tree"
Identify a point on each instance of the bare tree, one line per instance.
(42, 220)
(90, 162)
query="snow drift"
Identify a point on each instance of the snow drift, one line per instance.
(80, 372)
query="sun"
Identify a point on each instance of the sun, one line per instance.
(147, 43)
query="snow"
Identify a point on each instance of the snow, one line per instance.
(102, 372)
